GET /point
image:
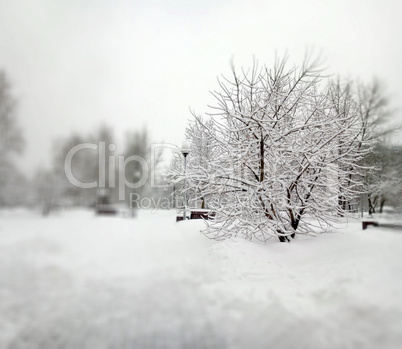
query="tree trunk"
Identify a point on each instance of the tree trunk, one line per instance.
(372, 204)
(283, 238)
(382, 205)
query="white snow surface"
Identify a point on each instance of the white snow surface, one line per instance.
(75, 280)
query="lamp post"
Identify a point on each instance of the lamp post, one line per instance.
(185, 150)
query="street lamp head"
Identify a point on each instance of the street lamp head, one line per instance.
(185, 148)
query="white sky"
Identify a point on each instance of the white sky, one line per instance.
(75, 64)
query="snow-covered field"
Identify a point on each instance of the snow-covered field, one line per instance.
(74, 280)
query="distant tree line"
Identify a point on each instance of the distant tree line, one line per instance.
(99, 165)
(50, 188)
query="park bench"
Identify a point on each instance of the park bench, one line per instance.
(365, 224)
(197, 214)
(106, 210)
(202, 214)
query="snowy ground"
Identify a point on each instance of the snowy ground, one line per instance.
(74, 280)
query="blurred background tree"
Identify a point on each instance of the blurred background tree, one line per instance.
(11, 144)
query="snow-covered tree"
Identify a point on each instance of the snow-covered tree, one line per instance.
(143, 169)
(282, 154)
(383, 180)
(202, 151)
(137, 144)
(369, 103)
(201, 140)
(88, 165)
(382, 175)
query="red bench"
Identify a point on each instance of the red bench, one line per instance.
(202, 214)
(365, 224)
(198, 214)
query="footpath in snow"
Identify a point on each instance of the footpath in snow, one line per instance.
(76, 281)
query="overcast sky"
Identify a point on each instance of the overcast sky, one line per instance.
(74, 64)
